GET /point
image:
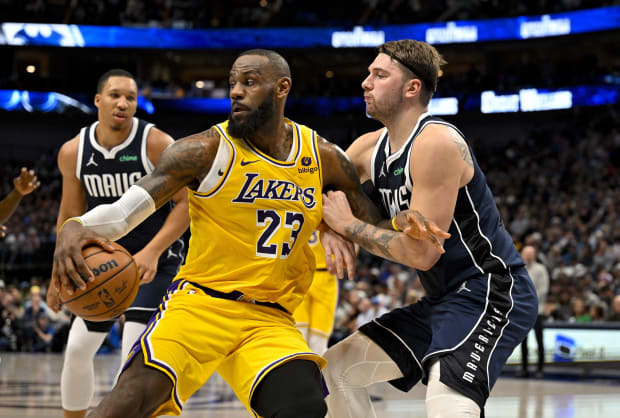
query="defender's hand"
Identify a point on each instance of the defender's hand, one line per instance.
(420, 228)
(147, 265)
(69, 267)
(26, 182)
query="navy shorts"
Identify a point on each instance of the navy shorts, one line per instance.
(472, 331)
(146, 302)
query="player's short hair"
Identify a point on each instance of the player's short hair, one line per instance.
(421, 58)
(116, 72)
(278, 64)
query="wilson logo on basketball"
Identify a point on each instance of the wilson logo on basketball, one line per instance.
(109, 265)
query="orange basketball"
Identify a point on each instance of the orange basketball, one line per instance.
(114, 289)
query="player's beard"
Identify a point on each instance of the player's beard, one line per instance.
(385, 110)
(253, 120)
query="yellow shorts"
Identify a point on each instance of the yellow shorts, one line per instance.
(194, 335)
(316, 311)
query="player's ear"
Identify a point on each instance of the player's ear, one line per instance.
(97, 100)
(413, 87)
(283, 87)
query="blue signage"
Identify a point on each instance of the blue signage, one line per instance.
(525, 100)
(466, 31)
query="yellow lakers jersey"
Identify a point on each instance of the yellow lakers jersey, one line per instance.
(252, 217)
(317, 250)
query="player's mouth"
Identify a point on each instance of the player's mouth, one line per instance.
(367, 99)
(238, 109)
(120, 117)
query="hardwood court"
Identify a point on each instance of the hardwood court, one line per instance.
(30, 387)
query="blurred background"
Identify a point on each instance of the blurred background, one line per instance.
(534, 86)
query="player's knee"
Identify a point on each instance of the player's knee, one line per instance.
(444, 402)
(337, 362)
(304, 408)
(140, 390)
(80, 351)
(294, 389)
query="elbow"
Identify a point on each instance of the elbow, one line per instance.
(424, 266)
(427, 261)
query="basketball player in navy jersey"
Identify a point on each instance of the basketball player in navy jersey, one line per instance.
(97, 167)
(480, 302)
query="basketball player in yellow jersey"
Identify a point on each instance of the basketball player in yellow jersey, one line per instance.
(255, 198)
(315, 316)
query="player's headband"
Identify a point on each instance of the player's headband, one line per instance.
(410, 68)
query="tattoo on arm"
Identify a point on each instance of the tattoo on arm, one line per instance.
(462, 146)
(361, 206)
(180, 164)
(347, 168)
(373, 239)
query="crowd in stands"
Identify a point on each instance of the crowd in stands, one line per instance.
(261, 13)
(558, 189)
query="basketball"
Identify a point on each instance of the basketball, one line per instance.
(114, 289)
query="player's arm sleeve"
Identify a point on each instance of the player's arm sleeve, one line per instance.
(115, 220)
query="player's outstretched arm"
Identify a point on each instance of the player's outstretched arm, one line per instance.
(184, 163)
(23, 184)
(340, 214)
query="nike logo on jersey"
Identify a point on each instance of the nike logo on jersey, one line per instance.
(382, 172)
(91, 160)
(244, 162)
(463, 286)
(270, 189)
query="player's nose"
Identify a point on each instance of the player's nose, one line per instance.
(236, 91)
(122, 103)
(366, 83)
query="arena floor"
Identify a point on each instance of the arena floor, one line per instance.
(29, 387)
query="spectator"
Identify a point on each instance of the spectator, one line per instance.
(580, 313)
(540, 277)
(615, 310)
(43, 334)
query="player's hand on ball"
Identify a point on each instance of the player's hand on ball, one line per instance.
(69, 269)
(52, 297)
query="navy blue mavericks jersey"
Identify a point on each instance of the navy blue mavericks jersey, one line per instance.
(107, 174)
(479, 243)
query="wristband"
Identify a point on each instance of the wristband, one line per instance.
(394, 225)
(75, 218)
